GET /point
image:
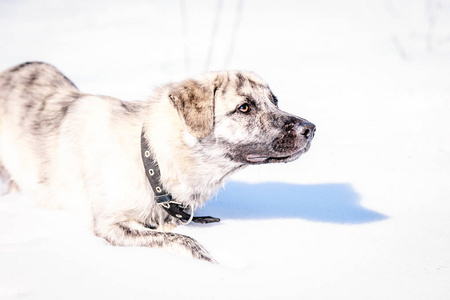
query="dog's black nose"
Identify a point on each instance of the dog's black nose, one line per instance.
(307, 129)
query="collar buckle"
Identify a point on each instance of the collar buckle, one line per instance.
(162, 199)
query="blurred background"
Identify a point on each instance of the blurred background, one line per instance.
(125, 47)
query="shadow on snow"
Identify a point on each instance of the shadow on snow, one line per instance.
(333, 203)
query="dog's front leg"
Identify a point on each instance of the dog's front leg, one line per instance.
(132, 233)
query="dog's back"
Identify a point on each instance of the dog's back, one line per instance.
(26, 94)
(31, 85)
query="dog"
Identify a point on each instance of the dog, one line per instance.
(86, 153)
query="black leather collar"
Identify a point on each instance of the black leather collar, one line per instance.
(163, 197)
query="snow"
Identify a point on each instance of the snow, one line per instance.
(363, 215)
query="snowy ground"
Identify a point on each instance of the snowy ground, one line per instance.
(364, 215)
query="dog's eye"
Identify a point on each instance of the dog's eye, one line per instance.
(244, 108)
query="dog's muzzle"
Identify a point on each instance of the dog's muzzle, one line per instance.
(294, 141)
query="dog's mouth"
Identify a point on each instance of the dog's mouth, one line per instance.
(262, 159)
(265, 159)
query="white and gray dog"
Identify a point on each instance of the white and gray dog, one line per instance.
(87, 153)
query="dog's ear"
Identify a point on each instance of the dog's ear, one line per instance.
(194, 102)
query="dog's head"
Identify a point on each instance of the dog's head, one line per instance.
(237, 114)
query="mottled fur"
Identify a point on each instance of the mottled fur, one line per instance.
(81, 152)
